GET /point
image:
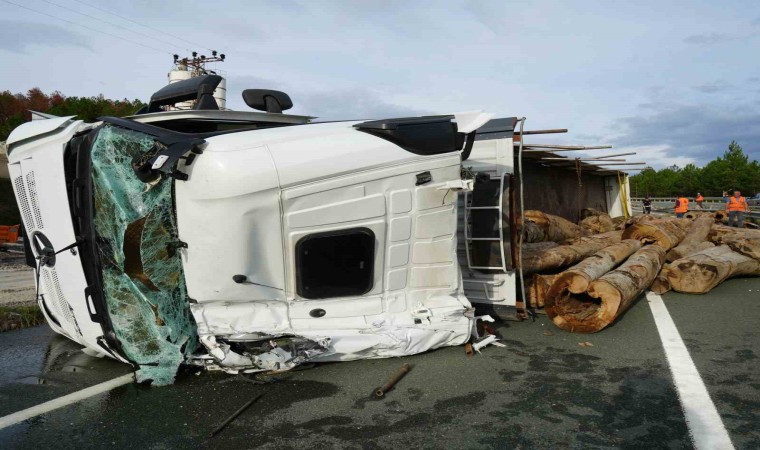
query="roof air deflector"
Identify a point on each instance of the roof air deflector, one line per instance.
(497, 129)
(201, 89)
(429, 135)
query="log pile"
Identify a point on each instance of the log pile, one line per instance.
(588, 279)
(695, 239)
(539, 227)
(556, 256)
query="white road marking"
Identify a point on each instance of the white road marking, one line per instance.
(34, 411)
(705, 425)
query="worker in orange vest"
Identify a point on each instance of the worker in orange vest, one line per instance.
(682, 206)
(699, 200)
(736, 206)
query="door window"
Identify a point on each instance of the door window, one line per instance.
(335, 263)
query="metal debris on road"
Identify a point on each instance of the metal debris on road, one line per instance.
(234, 415)
(380, 392)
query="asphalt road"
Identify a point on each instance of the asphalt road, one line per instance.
(542, 391)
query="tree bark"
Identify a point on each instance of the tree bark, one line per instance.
(694, 240)
(589, 212)
(741, 240)
(664, 233)
(660, 285)
(619, 222)
(701, 272)
(540, 226)
(537, 289)
(600, 223)
(568, 253)
(577, 278)
(607, 297)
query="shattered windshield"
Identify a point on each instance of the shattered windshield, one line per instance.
(143, 281)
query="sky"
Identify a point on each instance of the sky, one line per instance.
(675, 81)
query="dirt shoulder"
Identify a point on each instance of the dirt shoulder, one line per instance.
(18, 308)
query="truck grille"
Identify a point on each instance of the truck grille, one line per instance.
(32, 189)
(53, 289)
(23, 203)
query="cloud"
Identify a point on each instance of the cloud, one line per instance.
(349, 103)
(678, 133)
(18, 37)
(657, 156)
(712, 87)
(355, 104)
(710, 38)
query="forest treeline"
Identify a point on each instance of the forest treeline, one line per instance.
(14, 108)
(732, 170)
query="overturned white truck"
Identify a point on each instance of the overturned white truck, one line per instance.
(256, 241)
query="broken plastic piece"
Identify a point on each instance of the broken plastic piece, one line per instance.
(457, 185)
(475, 334)
(490, 339)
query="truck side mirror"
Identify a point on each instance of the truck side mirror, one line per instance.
(267, 100)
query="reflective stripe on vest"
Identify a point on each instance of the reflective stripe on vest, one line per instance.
(737, 205)
(683, 205)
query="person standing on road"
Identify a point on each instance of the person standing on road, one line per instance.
(736, 207)
(699, 200)
(647, 205)
(681, 206)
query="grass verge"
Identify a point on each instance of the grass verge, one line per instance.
(18, 317)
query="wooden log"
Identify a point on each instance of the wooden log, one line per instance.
(532, 232)
(684, 224)
(697, 214)
(600, 223)
(540, 226)
(684, 250)
(538, 286)
(741, 240)
(570, 252)
(619, 222)
(660, 285)
(637, 219)
(577, 278)
(666, 233)
(694, 240)
(607, 297)
(701, 272)
(590, 212)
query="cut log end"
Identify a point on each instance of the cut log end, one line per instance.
(660, 285)
(585, 312)
(607, 297)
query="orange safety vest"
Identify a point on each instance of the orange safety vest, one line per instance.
(700, 198)
(737, 205)
(683, 205)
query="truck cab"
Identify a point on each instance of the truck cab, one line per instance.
(245, 241)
